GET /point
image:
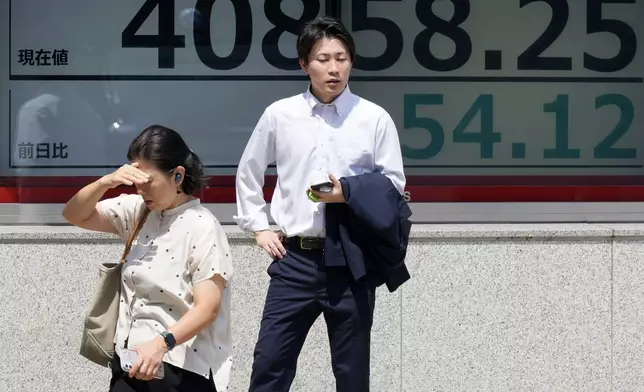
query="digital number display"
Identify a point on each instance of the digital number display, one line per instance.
(477, 89)
(506, 88)
(166, 41)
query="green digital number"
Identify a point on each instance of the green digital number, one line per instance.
(486, 137)
(605, 148)
(562, 150)
(433, 127)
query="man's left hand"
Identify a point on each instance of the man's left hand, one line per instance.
(335, 196)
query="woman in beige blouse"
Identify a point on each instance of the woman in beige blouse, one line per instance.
(175, 297)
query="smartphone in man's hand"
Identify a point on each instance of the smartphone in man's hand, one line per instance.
(324, 187)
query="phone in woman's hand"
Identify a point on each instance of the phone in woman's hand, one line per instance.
(128, 359)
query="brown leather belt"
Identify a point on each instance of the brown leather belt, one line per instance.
(305, 243)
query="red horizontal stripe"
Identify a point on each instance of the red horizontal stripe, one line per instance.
(220, 189)
(418, 194)
(270, 181)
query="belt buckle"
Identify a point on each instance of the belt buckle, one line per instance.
(302, 244)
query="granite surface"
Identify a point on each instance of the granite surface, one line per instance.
(508, 316)
(420, 232)
(539, 307)
(628, 315)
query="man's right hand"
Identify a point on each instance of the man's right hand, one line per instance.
(271, 242)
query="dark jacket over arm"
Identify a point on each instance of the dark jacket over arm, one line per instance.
(370, 232)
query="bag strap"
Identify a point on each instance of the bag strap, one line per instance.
(139, 224)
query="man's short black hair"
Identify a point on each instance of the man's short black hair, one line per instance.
(320, 28)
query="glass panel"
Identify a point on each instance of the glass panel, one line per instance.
(507, 92)
(494, 101)
(87, 76)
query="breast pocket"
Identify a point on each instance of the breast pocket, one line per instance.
(356, 157)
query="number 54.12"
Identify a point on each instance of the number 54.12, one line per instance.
(486, 137)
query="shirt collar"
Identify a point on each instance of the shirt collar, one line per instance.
(341, 103)
(181, 208)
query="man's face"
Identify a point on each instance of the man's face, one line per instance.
(329, 68)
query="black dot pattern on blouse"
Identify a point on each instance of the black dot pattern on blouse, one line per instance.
(177, 269)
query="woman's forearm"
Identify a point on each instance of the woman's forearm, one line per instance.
(208, 296)
(193, 322)
(80, 207)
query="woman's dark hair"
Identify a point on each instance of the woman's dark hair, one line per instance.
(320, 28)
(165, 149)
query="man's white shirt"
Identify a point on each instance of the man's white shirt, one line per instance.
(308, 140)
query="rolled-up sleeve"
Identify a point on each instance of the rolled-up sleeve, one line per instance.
(122, 211)
(258, 154)
(388, 154)
(210, 254)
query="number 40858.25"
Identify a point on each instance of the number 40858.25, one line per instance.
(532, 58)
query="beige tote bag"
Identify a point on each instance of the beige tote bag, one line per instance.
(97, 341)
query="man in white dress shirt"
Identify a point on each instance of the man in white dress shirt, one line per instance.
(321, 135)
